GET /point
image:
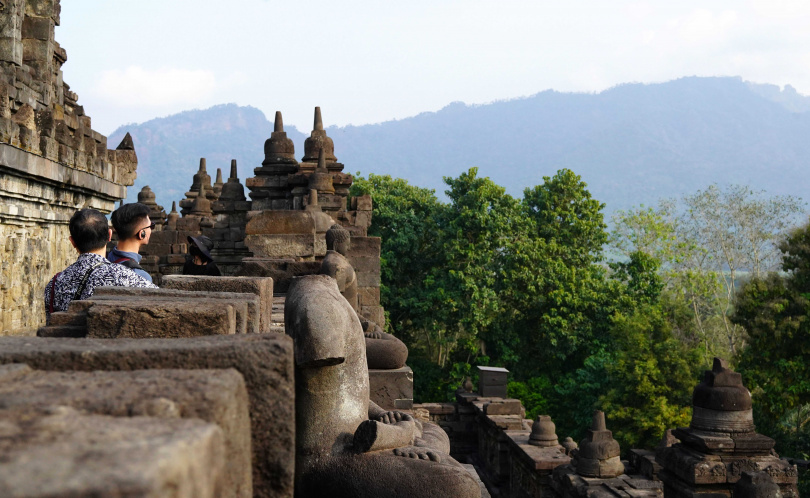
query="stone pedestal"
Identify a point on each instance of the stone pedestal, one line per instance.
(492, 381)
(283, 235)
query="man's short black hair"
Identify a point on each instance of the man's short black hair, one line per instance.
(128, 219)
(89, 230)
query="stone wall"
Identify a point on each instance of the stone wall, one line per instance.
(51, 162)
(24, 271)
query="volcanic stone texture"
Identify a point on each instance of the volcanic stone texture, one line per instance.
(260, 286)
(247, 316)
(391, 389)
(60, 452)
(51, 161)
(215, 396)
(137, 315)
(265, 362)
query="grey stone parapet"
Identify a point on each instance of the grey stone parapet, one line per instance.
(152, 382)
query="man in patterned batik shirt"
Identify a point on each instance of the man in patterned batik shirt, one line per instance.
(89, 234)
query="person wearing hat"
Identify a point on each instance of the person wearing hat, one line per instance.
(199, 261)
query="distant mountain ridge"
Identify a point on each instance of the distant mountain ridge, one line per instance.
(632, 144)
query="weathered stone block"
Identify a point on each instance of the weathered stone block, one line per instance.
(281, 223)
(172, 319)
(62, 331)
(388, 386)
(61, 452)
(281, 271)
(368, 296)
(246, 305)
(43, 8)
(504, 407)
(68, 318)
(215, 396)
(175, 259)
(368, 279)
(235, 234)
(36, 51)
(282, 246)
(10, 31)
(362, 203)
(363, 219)
(260, 286)
(49, 148)
(438, 408)
(365, 264)
(38, 28)
(265, 361)
(365, 246)
(374, 313)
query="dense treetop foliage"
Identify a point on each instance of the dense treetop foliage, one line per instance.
(489, 279)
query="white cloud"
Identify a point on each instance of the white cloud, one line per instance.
(704, 26)
(137, 87)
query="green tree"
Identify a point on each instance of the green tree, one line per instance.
(557, 300)
(567, 217)
(705, 243)
(651, 373)
(775, 311)
(462, 301)
(650, 378)
(406, 218)
(739, 229)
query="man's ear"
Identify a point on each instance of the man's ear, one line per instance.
(109, 235)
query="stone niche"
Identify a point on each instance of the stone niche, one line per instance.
(51, 162)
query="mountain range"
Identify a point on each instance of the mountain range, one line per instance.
(632, 144)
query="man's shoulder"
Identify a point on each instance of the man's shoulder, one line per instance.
(126, 277)
(117, 254)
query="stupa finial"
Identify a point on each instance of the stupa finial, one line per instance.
(318, 120)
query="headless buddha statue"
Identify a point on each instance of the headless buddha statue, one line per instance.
(346, 446)
(383, 351)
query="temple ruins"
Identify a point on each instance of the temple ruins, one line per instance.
(52, 162)
(276, 379)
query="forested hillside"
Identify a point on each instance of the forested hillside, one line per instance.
(632, 144)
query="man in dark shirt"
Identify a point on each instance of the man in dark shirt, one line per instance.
(134, 228)
(89, 234)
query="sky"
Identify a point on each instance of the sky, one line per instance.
(373, 61)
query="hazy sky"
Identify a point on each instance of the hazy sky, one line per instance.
(372, 61)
